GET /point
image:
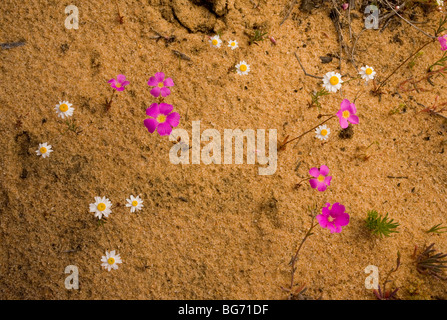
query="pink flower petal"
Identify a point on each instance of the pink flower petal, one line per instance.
(313, 183)
(165, 108)
(342, 220)
(173, 119)
(165, 92)
(164, 129)
(327, 180)
(321, 186)
(125, 83)
(337, 208)
(343, 123)
(153, 111)
(324, 170)
(322, 220)
(352, 109)
(325, 209)
(159, 76)
(152, 82)
(353, 119)
(345, 104)
(314, 172)
(121, 78)
(150, 124)
(112, 81)
(168, 82)
(155, 92)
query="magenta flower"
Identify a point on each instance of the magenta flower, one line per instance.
(443, 42)
(162, 119)
(322, 180)
(119, 83)
(333, 218)
(161, 85)
(347, 114)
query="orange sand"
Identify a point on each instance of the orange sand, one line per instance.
(216, 231)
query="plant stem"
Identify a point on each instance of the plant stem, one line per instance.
(109, 102)
(295, 257)
(301, 181)
(399, 66)
(301, 135)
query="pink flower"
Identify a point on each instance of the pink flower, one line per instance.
(334, 218)
(160, 85)
(162, 119)
(345, 6)
(119, 83)
(347, 113)
(443, 42)
(322, 180)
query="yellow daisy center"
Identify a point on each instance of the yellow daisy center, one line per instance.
(323, 132)
(161, 118)
(346, 114)
(233, 44)
(160, 84)
(63, 107)
(43, 150)
(111, 261)
(368, 71)
(214, 42)
(243, 68)
(334, 80)
(135, 203)
(101, 207)
(320, 178)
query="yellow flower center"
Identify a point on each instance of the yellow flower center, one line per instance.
(233, 44)
(330, 219)
(101, 207)
(324, 132)
(161, 118)
(135, 203)
(368, 71)
(334, 80)
(111, 261)
(117, 84)
(346, 114)
(214, 42)
(320, 178)
(63, 107)
(243, 68)
(160, 84)
(43, 150)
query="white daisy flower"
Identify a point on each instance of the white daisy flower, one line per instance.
(215, 41)
(322, 132)
(233, 44)
(135, 203)
(242, 68)
(332, 81)
(44, 150)
(101, 207)
(64, 109)
(110, 260)
(367, 73)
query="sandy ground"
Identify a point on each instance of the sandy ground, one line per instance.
(209, 231)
